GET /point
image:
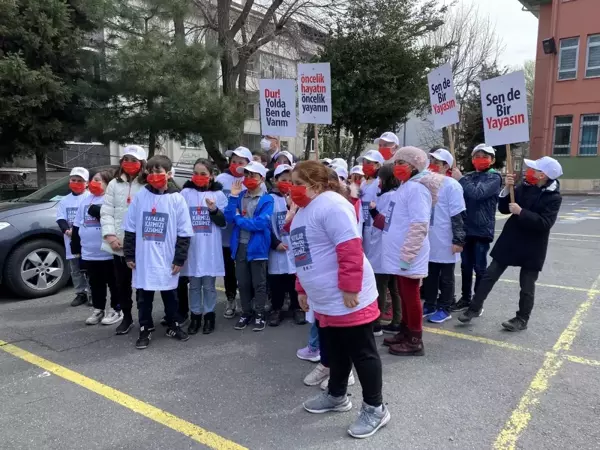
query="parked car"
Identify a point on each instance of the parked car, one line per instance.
(32, 254)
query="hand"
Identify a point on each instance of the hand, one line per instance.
(212, 206)
(175, 269)
(69, 232)
(281, 247)
(350, 299)
(236, 187)
(457, 248)
(514, 208)
(510, 179)
(372, 205)
(291, 212)
(288, 201)
(114, 242)
(303, 301)
(131, 265)
(456, 173)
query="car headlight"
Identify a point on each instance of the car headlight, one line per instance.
(4, 225)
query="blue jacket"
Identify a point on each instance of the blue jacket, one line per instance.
(481, 198)
(259, 226)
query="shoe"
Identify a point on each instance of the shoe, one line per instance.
(388, 314)
(392, 328)
(515, 324)
(209, 323)
(176, 332)
(317, 375)
(164, 322)
(230, 309)
(80, 299)
(377, 330)
(461, 305)
(300, 317)
(195, 323)
(184, 321)
(95, 318)
(112, 317)
(259, 322)
(243, 322)
(440, 316)
(469, 314)
(398, 338)
(275, 318)
(144, 339)
(427, 311)
(324, 402)
(309, 354)
(351, 381)
(411, 346)
(126, 325)
(370, 419)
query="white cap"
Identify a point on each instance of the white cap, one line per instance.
(80, 172)
(548, 166)
(326, 160)
(341, 172)
(282, 168)
(255, 167)
(442, 154)
(287, 154)
(341, 162)
(136, 151)
(388, 136)
(357, 170)
(242, 152)
(484, 148)
(371, 155)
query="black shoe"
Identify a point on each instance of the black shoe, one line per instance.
(259, 323)
(469, 314)
(274, 318)
(176, 332)
(80, 299)
(209, 323)
(126, 325)
(392, 328)
(243, 322)
(377, 329)
(164, 322)
(461, 305)
(300, 317)
(515, 324)
(144, 339)
(195, 323)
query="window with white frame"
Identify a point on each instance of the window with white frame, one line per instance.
(192, 141)
(252, 111)
(567, 58)
(562, 135)
(592, 63)
(588, 137)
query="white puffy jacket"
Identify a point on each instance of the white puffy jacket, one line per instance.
(114, 208)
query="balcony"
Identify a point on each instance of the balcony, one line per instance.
(533, 6)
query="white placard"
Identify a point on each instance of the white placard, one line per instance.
(314, 93)
(441, 94)
(504, 107)
(278, 107)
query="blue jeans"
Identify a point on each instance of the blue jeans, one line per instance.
(203, 295)
(313, 337)
(474, 259)
(79, 278)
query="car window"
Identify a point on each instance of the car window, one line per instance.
(52, 192)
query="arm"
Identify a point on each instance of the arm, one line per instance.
(274, 241)
(107, 211)
(63, 225)
(541, 221)
(419, 216)
(218, 218)
(129, 229)
(350, 261)
(61, 217)
(299, 287)
(488, 187)
(504, 199)
(259, 222)
(459, 234)
(129, 246)
(75, 242)
(378, 219)
(231, 209)
(182, 245)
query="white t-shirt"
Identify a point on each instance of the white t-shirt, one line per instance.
(410, 203)
(205, 256)
(368, 194)
(316, 231)
(67, 210)
(374, 250)
(90, 231)
(155, 237)
(450, 202)
(280, 262)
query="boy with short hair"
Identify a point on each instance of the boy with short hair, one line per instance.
(250, 213)
(158, 230)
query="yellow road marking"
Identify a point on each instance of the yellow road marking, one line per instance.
(479, 339)
(192, 431)
(576, 234)
(554, 286)
(584, 361)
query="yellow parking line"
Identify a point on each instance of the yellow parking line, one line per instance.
(584, 361)
(479, 339)
(194, 432)
(554, 286)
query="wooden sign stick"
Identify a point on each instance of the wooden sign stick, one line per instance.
(509, 170)
(451, 139)
(316, 141)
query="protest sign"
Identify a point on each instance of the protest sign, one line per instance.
(278, 107)
(314, 93)
(443, 100)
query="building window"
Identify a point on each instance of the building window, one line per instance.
(588, 141)
(251, 111)
(568, 56)
(562, 135)
(592, 64)
(252, 142)
(192, 141)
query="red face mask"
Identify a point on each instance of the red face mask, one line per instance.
(157, 180)
(357, 181)
(77, 187)
(481, 164)
(233, 169)
(386, 152)
(299, 197)
(251, 183)
(369, 169)
(200, 180)
(131, 167)
(434, 168)
(284, 186)
(531, 176)
(96, 188)
(402, 172)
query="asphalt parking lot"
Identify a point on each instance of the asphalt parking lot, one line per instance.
(65, 385)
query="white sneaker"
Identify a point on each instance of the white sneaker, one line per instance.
(317, 375)
(95, 318)
(112, 317)
(351, 381)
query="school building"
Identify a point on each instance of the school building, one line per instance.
(566, 105)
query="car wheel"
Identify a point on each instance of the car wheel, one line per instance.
(36, 269)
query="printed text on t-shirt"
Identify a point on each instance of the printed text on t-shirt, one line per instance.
(154, 226)
(300, 247)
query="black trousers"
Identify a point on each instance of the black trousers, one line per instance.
(101, 276)
(252, 278)
(122, 275)
(183, 297)
(473, 259)
(323, 349)
(144, 304)
(230, 277)
(440, 278)
(527, 279)
(356, 346)
(280, 285)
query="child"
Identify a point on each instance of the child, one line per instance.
(284, 157)
(260, 157)
(371, 162)
(87, 243)
(524, 239)
(446, 241)
(481, 190)
(282, 269)
(237, 158)
(250, 214)
(206, 202)
(357, 175)
(65, 216)
(158, 231)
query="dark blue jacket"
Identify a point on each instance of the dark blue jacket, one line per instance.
(481, 190)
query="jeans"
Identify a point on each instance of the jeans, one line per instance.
(203, 295)
(280, 285)
(122, 275)
(101, 276)
(252, 279)
(80, 282)
(474, 258)
(412, 309)
(230, 277)
(354, 346)
(385, 282)
(440, 277)
(144, 304)
(183, 297)
(527, 279)
(313, 337)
